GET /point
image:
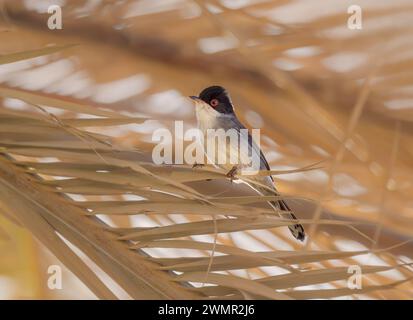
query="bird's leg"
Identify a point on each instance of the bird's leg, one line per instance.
(231, 173)
(197, 165)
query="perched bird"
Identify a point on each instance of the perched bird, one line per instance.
(214, 110)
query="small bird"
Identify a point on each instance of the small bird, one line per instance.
(214, 110)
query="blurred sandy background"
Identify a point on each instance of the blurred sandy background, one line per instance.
(316, 89)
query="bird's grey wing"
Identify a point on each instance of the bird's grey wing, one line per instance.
(297, 230)
(236, 124)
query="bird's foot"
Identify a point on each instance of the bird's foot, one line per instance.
(232, 173)
(197, 165)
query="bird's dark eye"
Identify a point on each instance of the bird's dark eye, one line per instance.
(214, 102)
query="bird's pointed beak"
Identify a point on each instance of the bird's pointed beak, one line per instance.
(198, 103)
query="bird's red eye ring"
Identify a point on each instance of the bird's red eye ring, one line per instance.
(214, 102)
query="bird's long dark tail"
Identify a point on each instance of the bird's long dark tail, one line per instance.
(297, 230)
(282, 208)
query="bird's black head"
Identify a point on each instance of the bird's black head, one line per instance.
(218, 98)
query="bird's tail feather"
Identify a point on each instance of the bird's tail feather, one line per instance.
(297, 230)
(284, 211)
